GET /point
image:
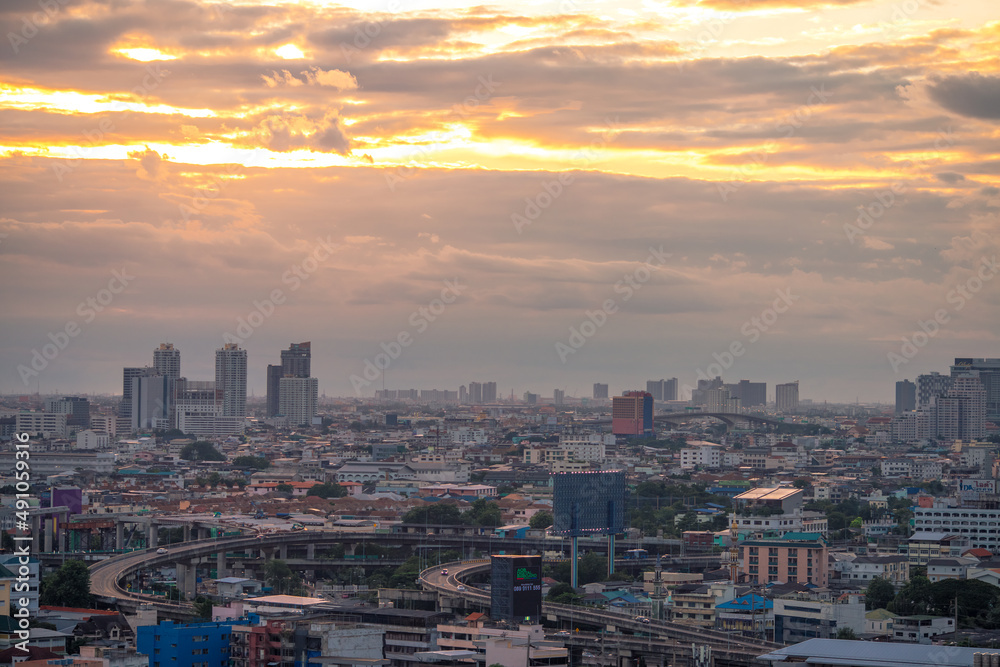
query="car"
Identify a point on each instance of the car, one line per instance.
(461, 588)
(161, 551)
(642, 619)
(444, 572)
(563, 633)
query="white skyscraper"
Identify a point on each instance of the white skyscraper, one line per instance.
(167, 360)
(231, 379)
(297, 399)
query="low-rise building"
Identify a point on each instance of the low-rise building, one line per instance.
(798, 620)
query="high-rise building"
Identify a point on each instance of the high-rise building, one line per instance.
(632, 413)
(475, 392)
(787, 396)
(231, 379)
(751, 394)
(296, 361)
(77, 410)
(989, 375)
(699, 396)
(167, 360)
(961, 413)
(600, 390)
(298, 399)
(516, 590)
(662, 390)
(930, 386)
(274, 375)
(558, 396)
(720, 400)
(906, 396)
(489, 392)
(125, 407)
(152, 400)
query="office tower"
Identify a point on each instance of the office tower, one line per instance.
(463, 394)
(751, 394)
(558, 396)
(167, 360)
(231, 379)
(296, 360)
(298, 399)
(152, 397)
(655, 389)
(475, 392)
(274, 375)
(787, 396)
(600, 390)
(720, 400)
(906, 396)
(989, 375)
(76, 409)
(930, 386)
(530, 398)
(632, 413)
(489, 392)
(670, 389)
(961, 413)
(699, 395)
(125, 407)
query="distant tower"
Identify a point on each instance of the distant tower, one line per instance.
(274, 375)
(906, 396)
(632, 414)
(296, 360)
(600, 390)
(167, 360)
(231, 379)
(787, 396)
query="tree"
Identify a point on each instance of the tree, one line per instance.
(328, 490)
(879, 594)
(483, 513)
(440, 513)
(203, 607)
(846, 633)
(258, 462)
(69, 586)
(280, 577)
(563, 594)
(541, 520)
(201, 450)
(284, 488)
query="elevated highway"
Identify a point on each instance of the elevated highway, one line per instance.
(663, 636)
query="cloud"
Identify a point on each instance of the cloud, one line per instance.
(974, 95)
(949, 177)
(150, 163)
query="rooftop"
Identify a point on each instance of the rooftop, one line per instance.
(779, 493)
(872, 654)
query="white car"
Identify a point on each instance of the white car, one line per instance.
(461, 588)
(161, 551)
(563, 633)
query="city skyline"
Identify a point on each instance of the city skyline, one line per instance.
(545, 195)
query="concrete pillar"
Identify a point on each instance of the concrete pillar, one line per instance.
(311, 551)
(36, 533)
(182, 569)
(187, 532)
(191, 585)
(283, 552)
(154, 535)
(50, 527)
(119, 535)
(220, 565)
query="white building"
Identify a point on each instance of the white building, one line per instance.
(42, 424)
(297, 399)
(704, 454)
(89, 439)
(980, 526)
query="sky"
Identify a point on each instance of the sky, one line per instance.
(544, 194)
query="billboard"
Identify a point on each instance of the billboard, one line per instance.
(516, 589)
(978, 485)
(589, 503)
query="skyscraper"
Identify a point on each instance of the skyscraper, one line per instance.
(662, 390)
(787, 396)
(167, 360)
(274, 375)
(125, 407)
(751, 394)
(930, 386)
(989, 375)
(296, 360)
(961, 413)
(231, 379)
(558, 396)
(600, 390)
(906, 396)
(632, 413)
(475, 392)
(298, 399)
(489, 392)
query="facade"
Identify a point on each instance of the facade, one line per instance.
(894, 569)
(298, 396)
(77, 410)
(906, 396)
(799, 620)
(793, 558)
(600, 390)
(167, 360)
(231, 379)
(930, 386)
(750, 394)
(589, 503)
(961, 412)
(516, 590)
(926, 544)
(921, 629)
(706, 455)
(152, 399)
(274, 375)
(662, 390)
(980, 526)
(190, 645)
(632, 414)
(125, 408)
(787, 396)
(694, 604)
(721, 400)
(89, 439)
(44, 424)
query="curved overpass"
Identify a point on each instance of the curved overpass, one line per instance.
(738, 649)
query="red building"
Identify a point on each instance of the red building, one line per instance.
(632, 414)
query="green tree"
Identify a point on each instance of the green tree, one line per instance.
(439, 513)
(203, 607)
(328, 490)
(201, 450)
(258, 462)
(563, 594)
(281, 578)
(846, 633)
(879, 594)
(541, 520)
(914, 598)
(69, 586)
(483, 513)
(284, 488)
